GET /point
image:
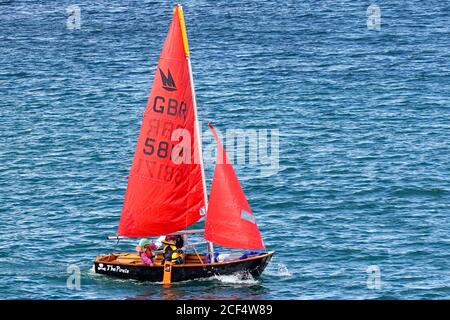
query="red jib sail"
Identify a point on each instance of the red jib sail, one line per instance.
(229, 220)
(164, 195)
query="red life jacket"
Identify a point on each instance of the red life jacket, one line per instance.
(148, 252)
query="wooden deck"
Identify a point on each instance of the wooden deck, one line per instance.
(130, 258)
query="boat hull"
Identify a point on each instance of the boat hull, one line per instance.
(254, 266)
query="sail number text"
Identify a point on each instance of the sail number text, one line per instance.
(160, 171)
(162, 149)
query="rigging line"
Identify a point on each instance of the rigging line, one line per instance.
(117, 243)
(198, 256)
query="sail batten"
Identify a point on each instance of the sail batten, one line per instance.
(165, 191)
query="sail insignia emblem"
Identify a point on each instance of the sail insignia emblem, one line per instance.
(167, 81)
(248, 216)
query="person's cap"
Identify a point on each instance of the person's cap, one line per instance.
(169, 242)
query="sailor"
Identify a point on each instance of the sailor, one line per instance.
(171, 252)
(180, 241)
(145, 251)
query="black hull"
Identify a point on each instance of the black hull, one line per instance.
(254, 265)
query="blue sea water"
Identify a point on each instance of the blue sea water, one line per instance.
(364, 121)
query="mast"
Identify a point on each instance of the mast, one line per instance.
(210, 245)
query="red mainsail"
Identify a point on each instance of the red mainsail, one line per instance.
(229, 220)
(164, 195)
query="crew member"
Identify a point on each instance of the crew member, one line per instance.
(171, 252)
(145, 251)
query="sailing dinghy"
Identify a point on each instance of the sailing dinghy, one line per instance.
(166, 191)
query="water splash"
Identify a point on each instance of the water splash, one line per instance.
(277, 270)
(238, 278)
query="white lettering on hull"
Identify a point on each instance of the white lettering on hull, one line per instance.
(112, 268)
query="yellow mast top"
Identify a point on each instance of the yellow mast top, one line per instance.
(183, 28)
